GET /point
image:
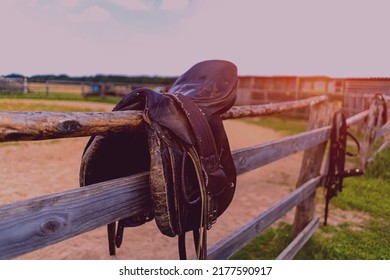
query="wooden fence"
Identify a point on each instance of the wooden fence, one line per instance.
(32, 224)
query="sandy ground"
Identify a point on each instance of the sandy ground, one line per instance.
(30, 169)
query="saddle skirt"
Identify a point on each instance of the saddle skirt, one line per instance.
(184, 147)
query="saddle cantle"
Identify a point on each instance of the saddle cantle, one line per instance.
(183, 146)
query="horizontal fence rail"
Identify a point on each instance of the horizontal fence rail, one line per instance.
(245, 111)
(32, 224)
(18, 126)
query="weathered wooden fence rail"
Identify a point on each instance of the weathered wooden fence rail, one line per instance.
(32, 224)
(18, 126)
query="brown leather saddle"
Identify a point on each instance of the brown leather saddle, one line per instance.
(183, 146)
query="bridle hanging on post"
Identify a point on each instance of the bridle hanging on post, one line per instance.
(336, 162)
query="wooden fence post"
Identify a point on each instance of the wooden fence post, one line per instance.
(320, 115)
(374, 123)
(25, 85)
(47, 88)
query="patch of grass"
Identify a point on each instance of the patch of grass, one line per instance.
(347, 244)
(379, 168)
(266, 246)
(34, 107)
(340, 242)
(62, 96)
(371, 195)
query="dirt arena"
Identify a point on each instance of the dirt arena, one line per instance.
(30, 169)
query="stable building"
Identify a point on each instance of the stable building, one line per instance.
(354, 93)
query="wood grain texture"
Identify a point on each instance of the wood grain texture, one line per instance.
(256, 156)
(32, 224)
(272, 108)
(18, 126)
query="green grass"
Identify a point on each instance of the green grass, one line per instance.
(369, 194)
(268, 245)
(20, 106)
(61, 96)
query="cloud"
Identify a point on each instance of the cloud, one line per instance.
(169, 5)
(31, 3)
(91, 14)
(69, 3)
(137, 5)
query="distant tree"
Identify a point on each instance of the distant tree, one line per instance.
(107, 78)
(14, 76)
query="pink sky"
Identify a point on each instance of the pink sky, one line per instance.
(165, 37)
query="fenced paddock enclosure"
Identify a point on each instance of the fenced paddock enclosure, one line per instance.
(71, 87)
(28, 225)
(10, 86)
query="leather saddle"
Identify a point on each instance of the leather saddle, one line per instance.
(184, 147)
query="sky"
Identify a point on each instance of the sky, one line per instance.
(336, 38)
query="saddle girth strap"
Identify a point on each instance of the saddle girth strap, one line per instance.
(182, 245)
(216, 179)
(213, 178)
(111, 238)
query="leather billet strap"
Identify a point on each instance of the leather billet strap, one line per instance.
(336, 162)
(214, 177)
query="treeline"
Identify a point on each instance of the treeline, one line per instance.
(101, 78)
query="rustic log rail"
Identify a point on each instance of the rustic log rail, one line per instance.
(32, 224)
(18, 126)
